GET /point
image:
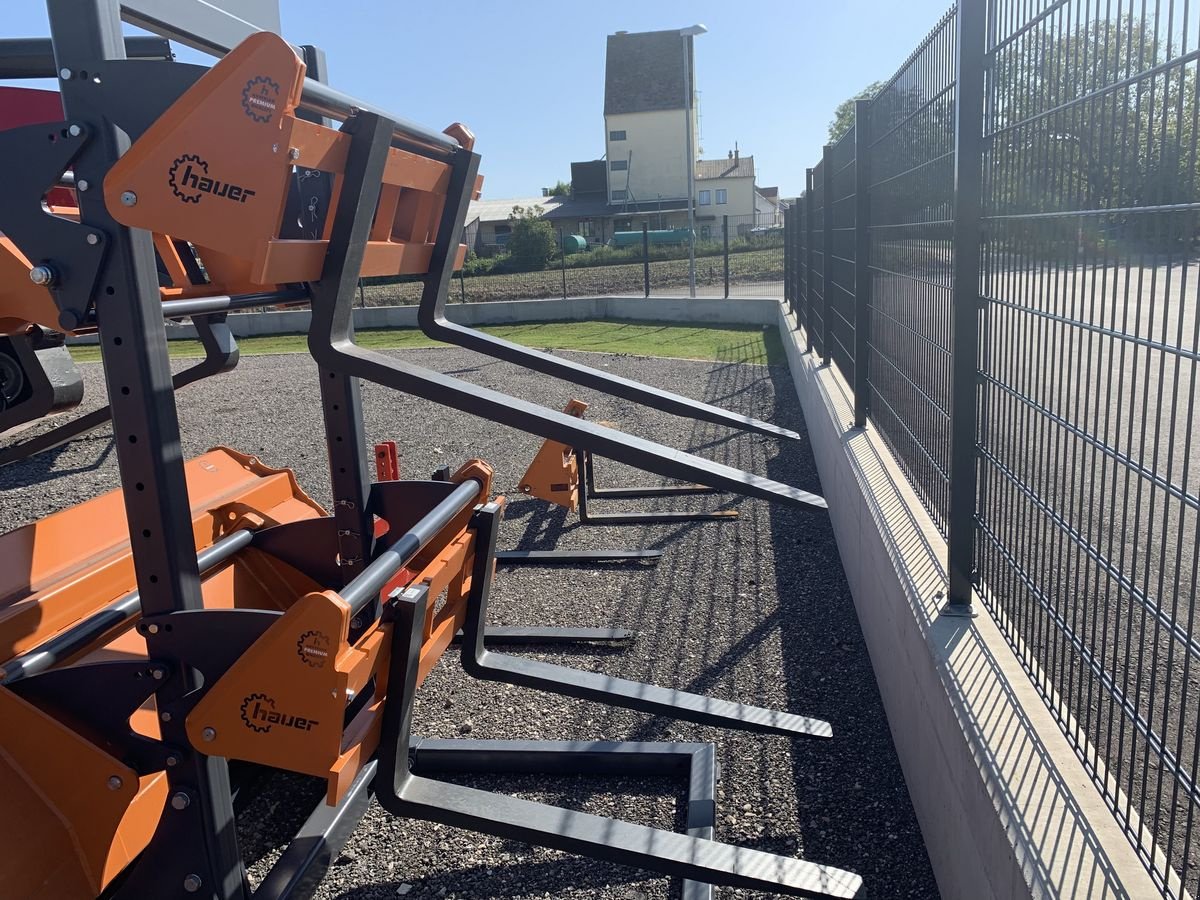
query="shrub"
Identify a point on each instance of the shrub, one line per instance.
(533, 242)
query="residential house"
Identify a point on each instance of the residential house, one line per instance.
(642, 178)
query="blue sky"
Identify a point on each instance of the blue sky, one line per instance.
(528, 76)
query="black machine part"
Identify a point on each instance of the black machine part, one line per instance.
(37, 377)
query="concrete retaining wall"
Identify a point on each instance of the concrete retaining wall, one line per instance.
(1006, 809)
(683, 310)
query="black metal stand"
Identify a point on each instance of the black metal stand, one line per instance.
(514, 635)
(588, 489)
(401, 791)
(634, 493)
(486, 665)
(568, 557)
(696, 762)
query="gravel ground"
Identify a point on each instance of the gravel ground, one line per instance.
(755, 609)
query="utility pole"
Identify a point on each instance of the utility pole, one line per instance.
(688, 69)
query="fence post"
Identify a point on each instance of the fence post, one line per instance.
(646, 257)
(827, 248)
(725, 234)
(862, 258)
(562, 252)
(964, 308)
(799, 250)
(808, 252)
(462, 285)
(788, 296)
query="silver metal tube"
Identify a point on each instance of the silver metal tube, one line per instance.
(321, 98)
(366, 587)
(95, 626)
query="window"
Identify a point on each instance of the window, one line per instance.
(706, 198)
(616, 135)
(722, 196)
(587, 228)
(619, 165)
(618, 195)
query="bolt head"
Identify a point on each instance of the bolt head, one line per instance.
(152, 629)
(128, 198)
(82, 184)
(93, 239)
(43, 275)
(209, 734)
(180, 800)
(115, 783)
(192, 883)
(165, 716)
(74, 131)
(64, 74)
(157, 674)
(172, 761)
(294, 153)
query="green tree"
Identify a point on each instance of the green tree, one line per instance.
(532, 242)
(561, 189)
(843, 116)
(1095, 119)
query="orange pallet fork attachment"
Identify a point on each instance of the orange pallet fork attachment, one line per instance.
(81, 813)
(564, 476)
(215, 170)
(283, 702)
(553, 475)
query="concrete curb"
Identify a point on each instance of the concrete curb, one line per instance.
(1005, 807)
(740, 311)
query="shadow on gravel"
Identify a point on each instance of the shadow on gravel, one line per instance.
(43, 467)
(852, 804)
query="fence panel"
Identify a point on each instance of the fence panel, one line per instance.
(841, 263)
(816, 256)
(911, 256)
(801, 220)
(1087, 537)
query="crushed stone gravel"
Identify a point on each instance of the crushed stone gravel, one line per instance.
(755, 609)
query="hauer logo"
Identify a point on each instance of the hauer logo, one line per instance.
(260, 98)
(313, 649)
(189, 179)
(259, 714)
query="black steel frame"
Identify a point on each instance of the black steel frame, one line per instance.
(404, 792)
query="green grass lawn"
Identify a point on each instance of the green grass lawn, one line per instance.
(743, 344)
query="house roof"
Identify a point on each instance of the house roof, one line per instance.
(743, 167)
(643, 72)
(771, 193)
(499, 210)
(587, 209)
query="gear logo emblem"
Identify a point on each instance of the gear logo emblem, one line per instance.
(185, 176)
(256, 710)
(313, 649)
(260, 98)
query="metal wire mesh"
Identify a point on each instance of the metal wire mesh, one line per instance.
(1087, 509)
(1087, 515)
(911, 194)
(816, 256)
(841, 261)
